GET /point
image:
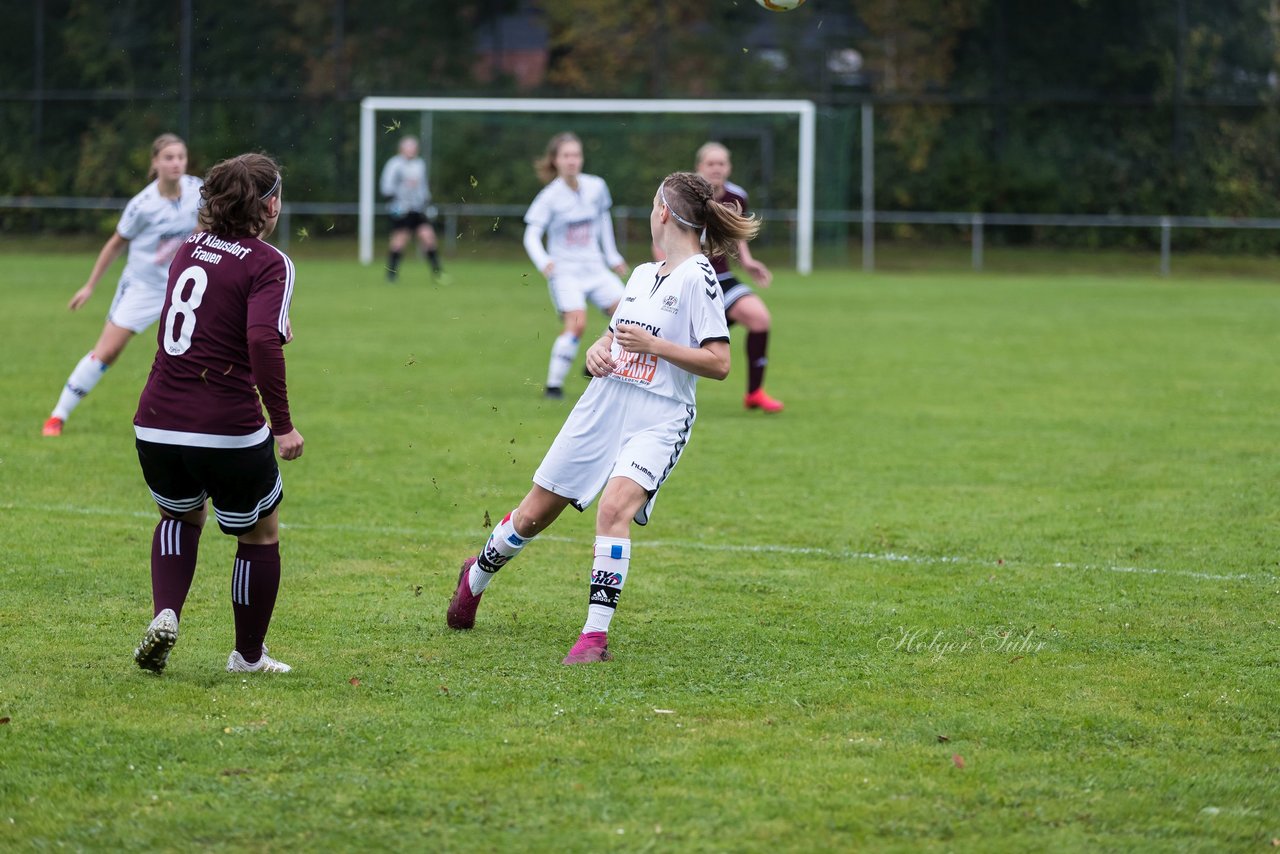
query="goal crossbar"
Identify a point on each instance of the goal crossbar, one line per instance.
(804, 111)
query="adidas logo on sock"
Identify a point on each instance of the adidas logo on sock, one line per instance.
(605, 596)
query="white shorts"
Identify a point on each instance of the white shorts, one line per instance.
(616, 430)
(135, 305)
(572, 286)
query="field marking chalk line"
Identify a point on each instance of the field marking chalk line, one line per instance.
(745, 548)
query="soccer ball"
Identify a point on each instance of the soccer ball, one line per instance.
(780, 5)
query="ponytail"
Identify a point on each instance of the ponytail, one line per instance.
(690, 199)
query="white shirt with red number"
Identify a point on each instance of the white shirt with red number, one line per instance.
(575, 223)
(684, 307)
(155, 227)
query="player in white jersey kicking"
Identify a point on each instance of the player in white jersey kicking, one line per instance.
(572, 210)
(630, 427)
(153, 226)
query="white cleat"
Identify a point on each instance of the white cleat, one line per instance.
(153, 653)
(266, 664)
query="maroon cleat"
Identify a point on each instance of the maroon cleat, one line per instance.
(462, 607)
(590, 648)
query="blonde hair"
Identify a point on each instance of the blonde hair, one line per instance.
(706, 148)
(689, 197)
(546, 164)
(235, 195)
(162, 142)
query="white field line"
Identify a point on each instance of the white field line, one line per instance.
(744, 548)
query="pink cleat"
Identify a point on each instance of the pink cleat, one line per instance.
(462, 608)
(53, 427)
(759, 400)
(590, 648)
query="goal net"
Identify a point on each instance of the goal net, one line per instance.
(480, 153)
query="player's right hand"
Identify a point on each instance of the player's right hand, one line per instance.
(80, 298)
(549, 269)
(290, 445)
(759, 272)
(600, 362)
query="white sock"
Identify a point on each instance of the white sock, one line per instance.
(82, 380)
(608, 574)
(563, 352)
(504, 544)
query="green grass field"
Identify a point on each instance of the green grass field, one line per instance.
(1002, 577)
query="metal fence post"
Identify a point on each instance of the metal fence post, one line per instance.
(868, 188)
(1166, 239)
(282, 229)
(451, 230)
(975, 224)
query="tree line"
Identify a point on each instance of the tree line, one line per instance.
(1063, 106)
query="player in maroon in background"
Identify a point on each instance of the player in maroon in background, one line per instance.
(741, 305)
(201, 434)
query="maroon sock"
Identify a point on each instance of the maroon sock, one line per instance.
(173, 563)
(757, 347)
(254, 584)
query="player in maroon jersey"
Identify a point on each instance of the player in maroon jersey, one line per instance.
(741, 304)
(201, 434)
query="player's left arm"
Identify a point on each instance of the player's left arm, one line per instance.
(266, 360)
(755, 269)
(267, 330)
(610, 245)
(710, 359)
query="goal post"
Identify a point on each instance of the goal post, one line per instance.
(804, 111)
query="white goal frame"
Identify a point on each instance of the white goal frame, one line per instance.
(803, 110)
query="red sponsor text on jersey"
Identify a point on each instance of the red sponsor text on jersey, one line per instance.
(636, 367)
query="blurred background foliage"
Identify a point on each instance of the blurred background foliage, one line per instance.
(1058, 106)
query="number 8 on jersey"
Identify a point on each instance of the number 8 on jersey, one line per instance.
(184, 308)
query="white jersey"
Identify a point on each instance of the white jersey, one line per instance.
(684, 307)
(155, 227)
(405, 181)
(576, 223)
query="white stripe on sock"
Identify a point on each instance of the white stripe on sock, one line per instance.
(240, 582)
(171, 539)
